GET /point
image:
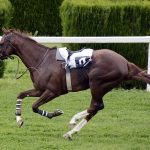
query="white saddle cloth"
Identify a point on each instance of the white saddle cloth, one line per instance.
(78, 58)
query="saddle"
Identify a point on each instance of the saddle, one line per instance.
(74, 59)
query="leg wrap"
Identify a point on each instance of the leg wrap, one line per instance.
(43, 113)
(50, 115)
(18, 107)
(78, 116)
(76, 129)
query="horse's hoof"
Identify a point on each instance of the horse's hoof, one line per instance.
(72, 125)
(67, 136)
(19, 121)
(58, 112)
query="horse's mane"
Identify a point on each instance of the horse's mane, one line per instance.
(20, 33)
(24, 35)
(17, 31)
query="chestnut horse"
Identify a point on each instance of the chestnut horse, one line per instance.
(105, 72)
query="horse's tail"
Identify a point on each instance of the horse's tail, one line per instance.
(136, 73)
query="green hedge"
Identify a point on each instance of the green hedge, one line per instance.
(5, 13)
(109, 18)
(40, 15)
(5, 16)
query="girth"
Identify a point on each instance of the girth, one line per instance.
(78, 59)
(68, 79)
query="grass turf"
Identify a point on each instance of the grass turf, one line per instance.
(124, 124)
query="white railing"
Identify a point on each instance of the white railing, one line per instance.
(119, 39)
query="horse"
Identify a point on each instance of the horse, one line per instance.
(106, 70)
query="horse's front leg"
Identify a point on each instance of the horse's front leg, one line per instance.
(46, 97)
(21, 96)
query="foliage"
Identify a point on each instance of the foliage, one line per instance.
(108, 18)
(37, 15)
(5, 13)
(5, 16)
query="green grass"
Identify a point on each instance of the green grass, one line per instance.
(124, 124)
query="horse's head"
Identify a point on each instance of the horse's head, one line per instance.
(6, 45)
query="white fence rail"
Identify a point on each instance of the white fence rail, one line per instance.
(119, 39)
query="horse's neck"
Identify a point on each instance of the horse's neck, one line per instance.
(30, 53)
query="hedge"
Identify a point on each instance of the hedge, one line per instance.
(109, 18)
(5, 16)
(37, 15)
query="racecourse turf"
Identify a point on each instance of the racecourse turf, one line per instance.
(124, 124)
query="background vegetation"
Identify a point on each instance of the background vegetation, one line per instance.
(109, 18)
(5, 16)
(5, 13)
(37, 15)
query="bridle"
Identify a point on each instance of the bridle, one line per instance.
(7, 38)
(35, 68)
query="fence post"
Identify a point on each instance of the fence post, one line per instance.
(148, 68)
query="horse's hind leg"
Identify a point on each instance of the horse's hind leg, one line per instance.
(77, 117)
(29, 93)
(96, 105)
(81, 115)
(87, 116)
(98, 89)
(46, 97)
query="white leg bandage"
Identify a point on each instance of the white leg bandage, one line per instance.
(79, 126)
(76, 129)
(18, 107)
(18, 112)
(78, 116)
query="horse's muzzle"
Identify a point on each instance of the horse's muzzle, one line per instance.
(2, 57)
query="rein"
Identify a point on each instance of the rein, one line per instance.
(35, 68)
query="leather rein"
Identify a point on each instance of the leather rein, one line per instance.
(18, 65)
(34, 68)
